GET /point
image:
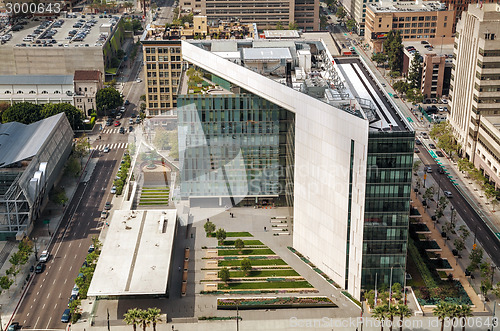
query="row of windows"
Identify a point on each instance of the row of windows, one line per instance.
(415, 31)
(34, 92)
(163, 82)
(162, 50)
(163, 58)
(488, 76)
(162, 66)
(487, 53)
(416, 18)
(163, 105)
(487, 65)
(412, 25)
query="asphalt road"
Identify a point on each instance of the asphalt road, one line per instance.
(478, 228)
(48, 293)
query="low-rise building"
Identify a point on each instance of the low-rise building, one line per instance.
(32, 158)
(428, 20)
(62, 46)
(36, 88)
(86, 85)
(487, 149)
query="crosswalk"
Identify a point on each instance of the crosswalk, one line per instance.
(111, 146)
(112, 130)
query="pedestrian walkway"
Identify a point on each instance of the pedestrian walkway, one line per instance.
(458, 272)
(101, 147)
(112, 130)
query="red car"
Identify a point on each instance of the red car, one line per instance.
(117, 123)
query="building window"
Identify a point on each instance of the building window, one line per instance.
(45, 92)
(32, 92)
(57, 92)
(19, 92)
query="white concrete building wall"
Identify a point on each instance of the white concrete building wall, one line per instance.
(36, 93)
(323, 137)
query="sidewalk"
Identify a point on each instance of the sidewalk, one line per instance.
(42, 235)
(460, 263)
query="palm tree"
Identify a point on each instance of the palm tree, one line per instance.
(403, 311)
(391, 312)
(154, 316)
(144, 318)
(132, 316)
(464, 311)
(442, 311)
(454, 314)
(380, 313)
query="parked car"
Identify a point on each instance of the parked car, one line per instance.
(448, 194)
(439, 153)
(441, 170)
(44, 256)
(432, 146)
(416, 150)
(65, 315)
(428, 169)
(13, 326)
(75, 290)
(40, 267)
(104, 214)
(122, 130)
(130, 128)
(107, 206)
(91, 248)
(119, 116)
(418, 142)
(117, 123)
(126, 103)
(138, 80)
(440, 108)
(113, 190)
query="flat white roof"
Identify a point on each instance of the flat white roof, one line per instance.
(278, 34)
(266, 53)
(135, 258)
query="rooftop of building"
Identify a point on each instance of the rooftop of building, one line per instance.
(36, 80)
(440, 50)
(494, 120)
(135, 258)
(346, 84)
(19, 141)
(281, 34)
(223, 30)
(81, 75)
(388, 6)
(86, 31)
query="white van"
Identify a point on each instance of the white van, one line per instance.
(28, 39)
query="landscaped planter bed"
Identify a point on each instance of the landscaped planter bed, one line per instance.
(274, 303)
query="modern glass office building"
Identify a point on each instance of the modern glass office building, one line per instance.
(329, 144)
(387, 202)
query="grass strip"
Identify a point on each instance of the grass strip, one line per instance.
(229, 252)
(264, 285)
(264, 273)
(246, 242)
(237, 263)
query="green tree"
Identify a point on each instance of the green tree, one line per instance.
(239, 244)
(6, 282)
(154, 316)
(279, 26)
(442, 311)
(73, 166)
(246, 265)
(22, 112)
(81, 147)
(209, 227)
(396, 291)
(107, 99)
(403, 312)
(415, 72)
(429, 193)
(293, 26)
(416, 165)
(350, 24)
(475, 257)
(224, 275)
(379, 58)
(381, 313)
(401, 86)
(393, 47)
(392, 311)
(220, 234)
(370, 298)
(464, 232)
(459, 245)
(340, 12)
(132, 317)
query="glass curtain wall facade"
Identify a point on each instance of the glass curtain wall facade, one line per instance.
(387, 207)
(233, 146)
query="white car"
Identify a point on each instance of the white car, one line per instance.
(44, 256)
(106, 150)
(113, 190)
(448, 194)
(440, 108)
(138, 80)
(75, 290)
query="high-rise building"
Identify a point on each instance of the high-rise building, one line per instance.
(265, 13)
(475, 85)
(321, 138)
(459, 6)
